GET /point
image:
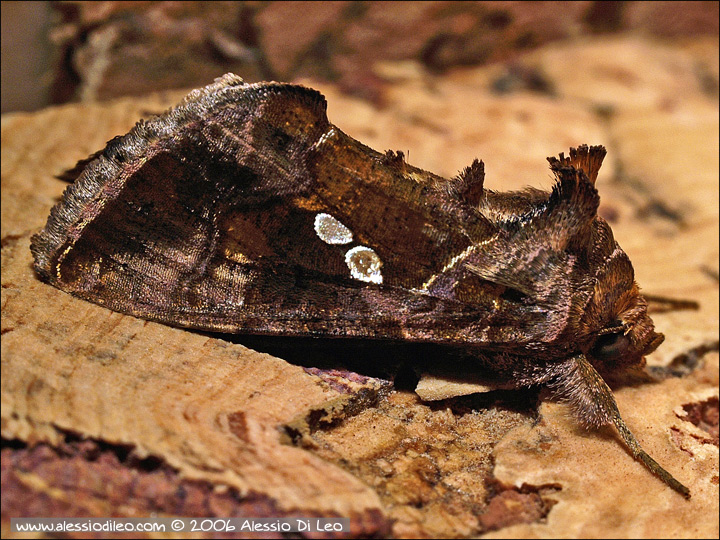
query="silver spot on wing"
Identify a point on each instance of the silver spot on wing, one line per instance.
(364, 264)
(331, 231)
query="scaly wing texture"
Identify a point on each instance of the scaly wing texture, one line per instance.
(244, 209)
(207, 217)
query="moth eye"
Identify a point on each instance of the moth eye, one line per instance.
(611, 346)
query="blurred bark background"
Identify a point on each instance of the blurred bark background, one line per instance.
(54, 52)
(108, 415)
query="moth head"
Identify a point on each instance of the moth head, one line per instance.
(615, 317)
(626, 342)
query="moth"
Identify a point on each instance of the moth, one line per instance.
(244, 210)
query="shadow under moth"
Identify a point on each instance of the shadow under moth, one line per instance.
(244, 210)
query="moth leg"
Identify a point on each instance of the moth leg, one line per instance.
(595, 403)
(661, 304)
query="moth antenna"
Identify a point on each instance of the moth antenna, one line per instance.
(661, 304)
(596, 405)
(611, 330)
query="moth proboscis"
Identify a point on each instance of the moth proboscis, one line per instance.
(244, 210)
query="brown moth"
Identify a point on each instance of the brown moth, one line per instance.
(244, 210)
